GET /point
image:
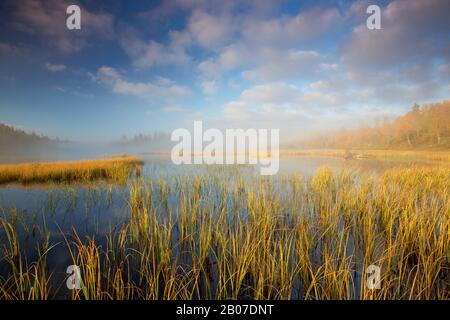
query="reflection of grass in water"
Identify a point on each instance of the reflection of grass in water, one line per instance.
(266, 237)
(115, 169)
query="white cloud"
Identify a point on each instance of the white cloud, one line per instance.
(236, 110)
(210, 68)
(289, 30)
(45, 19)
(288, 68)
(145, 54)
(164, 81)
(263, 102)
(209, 87)
(235, 41)
(329, 66)
(55, 67)
(273, 93)
(210, 30)
(111, 78)
(285, 65)
(324, 103)
(230, 57)
(407, 36)
(269, 45)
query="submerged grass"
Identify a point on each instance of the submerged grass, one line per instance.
(287, 237)
(116, 169)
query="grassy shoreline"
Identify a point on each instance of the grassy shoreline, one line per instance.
(380, 154)
(115, 169)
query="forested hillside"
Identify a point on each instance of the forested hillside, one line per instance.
(426, 126)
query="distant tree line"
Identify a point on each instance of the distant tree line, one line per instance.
(15, 138)
(150, 142)
(423, 127)
(16, 144)
(146, 138)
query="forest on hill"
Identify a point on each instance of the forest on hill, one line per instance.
(426, 126)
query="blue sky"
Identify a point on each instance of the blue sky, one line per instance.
(143, 66)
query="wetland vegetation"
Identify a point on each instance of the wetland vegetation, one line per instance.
(114, 168)
(225, 232)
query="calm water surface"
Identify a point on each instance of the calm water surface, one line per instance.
(100, 206)
(97, 209)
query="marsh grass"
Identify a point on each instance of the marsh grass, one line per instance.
(26, 280)
(286, 237)
(116, 169)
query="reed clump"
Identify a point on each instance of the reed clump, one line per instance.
(115, 169)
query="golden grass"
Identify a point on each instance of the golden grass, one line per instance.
(286, 237)
(416, 155)
(117, 169)
(441, 156)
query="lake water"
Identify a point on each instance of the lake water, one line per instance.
(97, 209)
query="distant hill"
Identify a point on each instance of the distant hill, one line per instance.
(426, 126)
